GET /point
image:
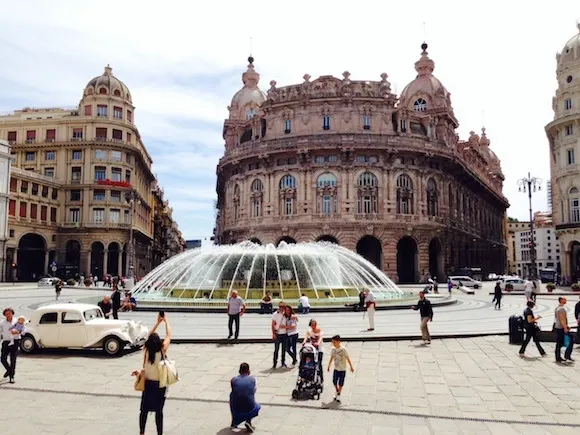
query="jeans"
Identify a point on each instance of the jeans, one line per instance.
(532, 333)
(291, 346)
(234, 318)
(305, 310)
(9, 352)
(265, 308)
(281, 340)
(560, 336)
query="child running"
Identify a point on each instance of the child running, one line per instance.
(340, 357)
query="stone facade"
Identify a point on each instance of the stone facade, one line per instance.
(81, 186)
(564, 138)
(4, 200)
(350, 162)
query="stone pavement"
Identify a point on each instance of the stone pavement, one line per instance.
(455, 386)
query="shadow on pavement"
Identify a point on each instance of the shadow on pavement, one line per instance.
(65, 353)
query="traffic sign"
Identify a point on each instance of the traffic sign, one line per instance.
(54, 268)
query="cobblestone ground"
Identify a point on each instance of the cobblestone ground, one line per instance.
(462, 386)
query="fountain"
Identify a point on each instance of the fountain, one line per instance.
(327, 273)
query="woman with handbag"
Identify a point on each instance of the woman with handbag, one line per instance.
(149, 378)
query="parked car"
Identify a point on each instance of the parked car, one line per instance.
(47, 281)
(466, 281)
(517, 283)
(75, 325)
(492, 277)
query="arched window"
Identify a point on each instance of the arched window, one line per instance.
(102, 91)
(432, 203)
(404, 194)
(117, 93)
(574, 205)
(251, 113)
(288, 195)
(257, 195)
(420, 105)
(326, 193)
(236, 200)
(368, 193)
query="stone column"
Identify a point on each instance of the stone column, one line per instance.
(120, 264)
(45, 271)
(105, 262)
(565, 265)
(88, 270)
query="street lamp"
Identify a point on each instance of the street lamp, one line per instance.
(527, 185)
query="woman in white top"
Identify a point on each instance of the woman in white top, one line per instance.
(153, 398)
(315, 336)
(291, 331)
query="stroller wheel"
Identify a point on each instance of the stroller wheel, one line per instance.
(295, 394)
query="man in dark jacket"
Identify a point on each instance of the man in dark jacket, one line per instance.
(426, 312)
(116, 299)
(497, 295)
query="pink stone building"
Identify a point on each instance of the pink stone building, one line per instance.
(350, 162)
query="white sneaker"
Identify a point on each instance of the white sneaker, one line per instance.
(337, 398)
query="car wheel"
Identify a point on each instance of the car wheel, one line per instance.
(28, 344)
(112, 346)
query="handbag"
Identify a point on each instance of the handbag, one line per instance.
(167, 372)
(140, 380)
(567, 340)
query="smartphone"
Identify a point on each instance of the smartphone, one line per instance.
(162, 314)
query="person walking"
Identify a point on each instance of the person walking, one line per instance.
(529, 290)
(116, 300)
(243, 404)
(435, 285)
(10, 342)
(236, 309)
(58, 284)
(339, 355)
(577, 317)
(562, 331)
(371, 305)
(279, 334)
(314, 335)
(497, 295)
(153, 397)
(426, 313)
(449, 285)
(292, 333)
(531, 328)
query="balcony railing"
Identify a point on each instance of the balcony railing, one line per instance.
(95, 224)
(71, 224)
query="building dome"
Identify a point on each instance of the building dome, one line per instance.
(425, 84)
(571, 50)
(250, 96)
(108, 84)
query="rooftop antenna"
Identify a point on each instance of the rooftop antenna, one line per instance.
(424, 32)
(251, 46)
(483, 118)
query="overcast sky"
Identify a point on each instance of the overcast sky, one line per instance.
(183, 62)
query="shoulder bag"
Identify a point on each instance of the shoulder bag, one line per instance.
(167, 372)
(140, 379)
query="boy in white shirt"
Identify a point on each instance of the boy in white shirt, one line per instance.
(339, 355)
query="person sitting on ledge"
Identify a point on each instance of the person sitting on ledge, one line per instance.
(129, 302)
(266, 304)
(242, 399)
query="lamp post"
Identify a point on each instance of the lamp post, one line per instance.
(527, 185)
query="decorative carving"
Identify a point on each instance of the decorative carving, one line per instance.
(384, 86)
(272, 92)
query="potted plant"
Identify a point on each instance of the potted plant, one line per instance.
(71, 282)
(509, 287)
(576, 287)
(550, 286)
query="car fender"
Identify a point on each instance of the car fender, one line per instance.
(113, 332)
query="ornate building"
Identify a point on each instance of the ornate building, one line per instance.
(350, 162)
(81, 188)
(564, 137)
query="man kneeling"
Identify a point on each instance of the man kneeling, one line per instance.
(242, 399)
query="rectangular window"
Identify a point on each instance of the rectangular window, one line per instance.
(98, 195)
(569, 130)
(287, 126)
(34, 189)
(100, 173)
(129, 158)
(77, 154)
(289, 206)
(12, 207)
(366, 122)
(30, 136)
(53, 214)
(33, 211)
(24, 187)
(23, 209)
(575, 210)
(75, 195)
(115, 196)
(100, 154)
(127, 219)
(567, 104)
(30, 156)
(101, 133)
(13, 184)
(88, 110)
(117, 134)
(129, 116)
(50, 155)
(77, 133)
(13, 158)
(326, 204)
(11, 137)
(45, 191)
(101, 110)
(51, 135)
(117, 112)
(115, 216)
(98, 215)
(116, 174)
(129, 138)
(43, 210)
(116, 156)
(54, 193)
(128, 176)
(326, 122)
(571, 158)
(74, 215)
(76, 174)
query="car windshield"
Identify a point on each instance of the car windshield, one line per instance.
(93, 314)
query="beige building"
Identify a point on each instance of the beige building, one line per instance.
(512, 247)
(81, 188)
(350, 162)
(4, 200)
(564, 137)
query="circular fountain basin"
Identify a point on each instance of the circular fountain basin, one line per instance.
(330, 275)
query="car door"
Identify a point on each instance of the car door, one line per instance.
(520, 284)
(47, 329)
(71, 330)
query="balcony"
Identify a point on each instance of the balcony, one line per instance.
(70, 224)
(119, 225)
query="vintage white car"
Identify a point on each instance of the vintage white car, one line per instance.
(74, 325)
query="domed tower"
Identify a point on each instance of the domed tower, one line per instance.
(564, 137)
(425, 105)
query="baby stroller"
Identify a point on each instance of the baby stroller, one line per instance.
(308, 382)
